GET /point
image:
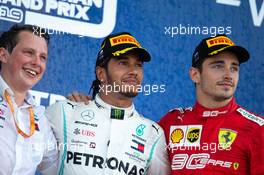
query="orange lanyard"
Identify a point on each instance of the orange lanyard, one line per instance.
(31, 114)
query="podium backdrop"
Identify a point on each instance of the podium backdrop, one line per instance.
(168, 29)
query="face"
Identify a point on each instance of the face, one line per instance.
(219, 77)
(25, 66)
(124, 75)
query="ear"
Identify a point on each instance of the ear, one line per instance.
(3, 55)
(101, 74)
(195, 75)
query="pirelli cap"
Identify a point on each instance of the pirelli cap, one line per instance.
(214, 45)
(118, 44)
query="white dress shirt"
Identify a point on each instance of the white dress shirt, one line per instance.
(19, 155)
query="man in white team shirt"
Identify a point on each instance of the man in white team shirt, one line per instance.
(108, 136)
(26, 139)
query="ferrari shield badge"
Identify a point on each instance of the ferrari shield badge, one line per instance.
(226, 137)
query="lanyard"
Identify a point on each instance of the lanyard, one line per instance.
(31, 115)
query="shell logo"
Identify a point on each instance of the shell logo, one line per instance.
(177, 135)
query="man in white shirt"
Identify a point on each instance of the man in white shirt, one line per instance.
(26, 139)
(108, 136)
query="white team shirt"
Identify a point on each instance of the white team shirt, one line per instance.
(100, 139)
(19, 155)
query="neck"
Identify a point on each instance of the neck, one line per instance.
(116, 99)
(211, 103)
(19, 98)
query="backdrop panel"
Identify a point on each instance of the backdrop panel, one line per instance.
(169, 29)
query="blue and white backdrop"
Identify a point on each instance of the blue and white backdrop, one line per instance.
(169, 29)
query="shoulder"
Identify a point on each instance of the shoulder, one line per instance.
(257, 119)
(179, 111)
(175, 114)
(63, 108)
(65, 104)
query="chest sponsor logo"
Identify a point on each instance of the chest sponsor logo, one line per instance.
(87, 124)
(136, 156)
(95, 161)
(84, 132)
(197, 161)
(136, 137)
(36, 122)
(2, 116)
(213, 113)
(226, 137)
(92, 145)
(193, 134)
(140, 129)
(236, 165)
(2, 112)
(36, 127)
(185, 135)
(138, 146)
(93, 18)
(87, 115)
(177, 135)
(77, 131)
(78, 142)
(117, 114)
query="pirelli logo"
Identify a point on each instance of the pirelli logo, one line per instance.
(124, 39)
(219, 41)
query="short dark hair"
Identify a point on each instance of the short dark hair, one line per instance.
(96, 83)
(9, 39)
(199, 65)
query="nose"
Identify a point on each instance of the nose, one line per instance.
(133, 70)
(36, 60)
(228, 74)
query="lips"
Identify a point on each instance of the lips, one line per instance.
(226, 83)
(31, 72)
(130, 81)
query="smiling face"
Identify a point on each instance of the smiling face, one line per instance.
(218, 78)
(124, 73)
(25, 66)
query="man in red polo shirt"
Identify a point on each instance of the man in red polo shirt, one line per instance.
(216, 136)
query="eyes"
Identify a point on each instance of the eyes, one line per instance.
(32, 53)
(43, 58)
(219, 66)
(138, 64)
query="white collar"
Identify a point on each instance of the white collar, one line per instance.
(115, 112)
(29, 100)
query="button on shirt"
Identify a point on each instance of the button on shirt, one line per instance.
(19, 155)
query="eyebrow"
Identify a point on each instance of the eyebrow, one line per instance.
(121, 58)
(217, 62)
(125, 57)
(222, 62)
(34, 50)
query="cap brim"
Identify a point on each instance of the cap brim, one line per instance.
(241, 53)
(142, 52)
